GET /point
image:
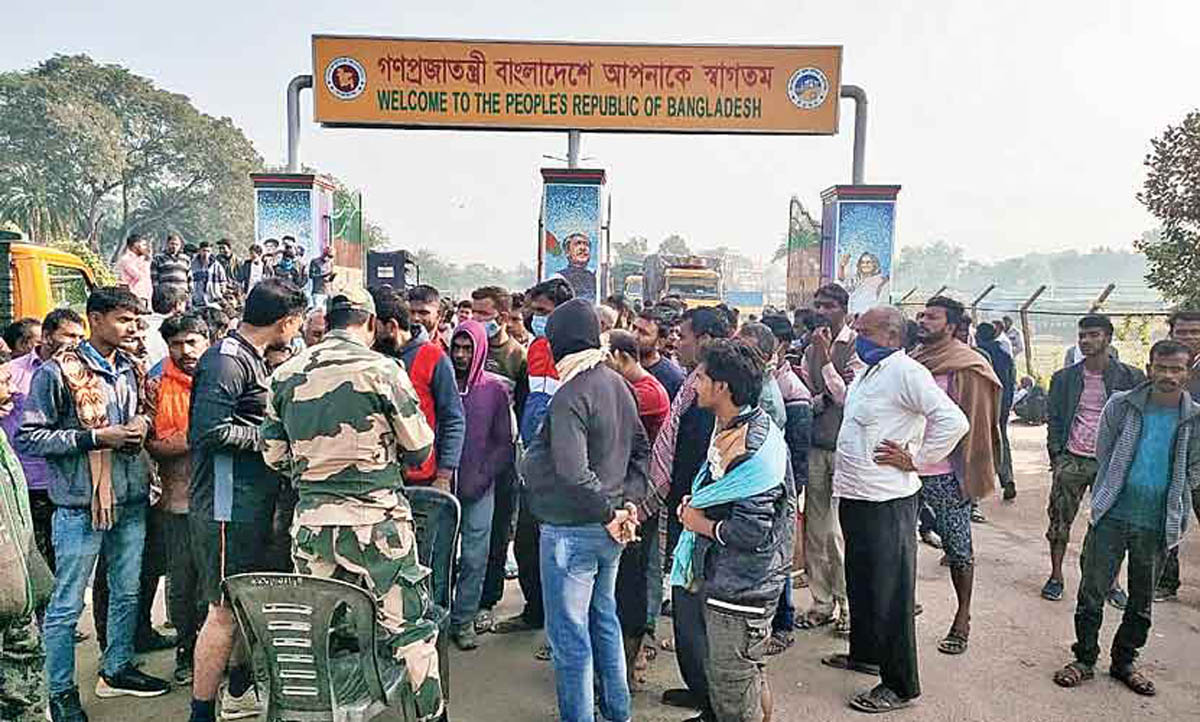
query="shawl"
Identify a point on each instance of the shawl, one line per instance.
(87, 391)
(174, 395)
(976, 390)
(662, 453)
(762, 472)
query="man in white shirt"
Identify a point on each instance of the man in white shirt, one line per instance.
(895, 419)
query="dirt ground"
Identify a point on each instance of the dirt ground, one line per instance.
(1017, 642)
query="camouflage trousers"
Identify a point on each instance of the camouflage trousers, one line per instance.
(382, 558)
(22, 674)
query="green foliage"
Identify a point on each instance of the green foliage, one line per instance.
(1171, 192)
(674, 244)
(101, 269)
(633, 250)
(95, 152)
(458, 281)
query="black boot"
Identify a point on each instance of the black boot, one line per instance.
(65, 707)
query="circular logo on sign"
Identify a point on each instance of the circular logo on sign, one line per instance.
(807, 88)
(346, 78)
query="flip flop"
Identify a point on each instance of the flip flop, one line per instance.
(1133, 679)
(843, 661)
(1053, 590)
(1073, 675)
(954, 642)
(878, 700)
(813, 621)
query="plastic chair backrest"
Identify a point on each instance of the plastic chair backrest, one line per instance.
(436, 517)
(288, 618)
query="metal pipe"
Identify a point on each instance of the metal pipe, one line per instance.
(860, 130)
(294, 87)
(572, 148)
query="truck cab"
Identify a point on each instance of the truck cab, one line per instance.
(35, 280)
(696, 286)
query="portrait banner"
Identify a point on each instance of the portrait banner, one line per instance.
(571, 244)
(858, 242)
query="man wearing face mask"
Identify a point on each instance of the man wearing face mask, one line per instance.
(895, 418)
(543, 381)
(432, 376)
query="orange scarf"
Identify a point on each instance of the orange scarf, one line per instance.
(174, 395)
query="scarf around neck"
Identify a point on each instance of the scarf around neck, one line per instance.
(91, 408)
(576, 363)
(760, 473)
(174, 396)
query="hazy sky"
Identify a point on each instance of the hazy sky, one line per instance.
(1013, 126)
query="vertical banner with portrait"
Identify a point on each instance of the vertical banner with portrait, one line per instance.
(571, 245)
(858, 242)
(803, 255)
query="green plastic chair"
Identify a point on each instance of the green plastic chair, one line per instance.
(436, 524)
(287, 619)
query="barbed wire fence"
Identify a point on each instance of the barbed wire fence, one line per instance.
(1046, 316)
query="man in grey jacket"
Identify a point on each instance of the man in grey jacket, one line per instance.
(1148, 453)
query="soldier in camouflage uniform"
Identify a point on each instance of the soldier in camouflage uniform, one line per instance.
(22, 656)
(342, 421)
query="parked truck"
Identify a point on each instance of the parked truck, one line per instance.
(35, 280)
(695, 279)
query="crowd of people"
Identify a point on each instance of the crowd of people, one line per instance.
(208, 417)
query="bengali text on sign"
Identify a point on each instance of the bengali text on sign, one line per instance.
(507, 85)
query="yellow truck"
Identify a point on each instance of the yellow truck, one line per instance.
(695, 279)
(35, 280)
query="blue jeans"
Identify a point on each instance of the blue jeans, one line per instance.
(579, 579)
(473, 559)
(76, 547)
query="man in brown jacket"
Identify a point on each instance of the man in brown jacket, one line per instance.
(829, 366)
(969, 473)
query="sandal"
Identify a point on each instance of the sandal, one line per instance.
(544, 653)
(977, 516)
(813, 620)
(843, 661)
(484, 621)
(800, 581)
(880, 699)
(842, 625)
(1073, 675)
(1133, 679)
(954, 642)
(779, 643)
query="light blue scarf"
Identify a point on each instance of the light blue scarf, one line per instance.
(760, 473)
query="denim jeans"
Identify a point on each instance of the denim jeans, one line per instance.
(579, 579)
(473, 557)
(76, 546)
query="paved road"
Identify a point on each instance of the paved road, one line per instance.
(1017, 642)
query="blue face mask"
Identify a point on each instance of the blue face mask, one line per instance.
(870, 352)
(491, 328)
(538, 324)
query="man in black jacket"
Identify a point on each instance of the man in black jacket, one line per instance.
(585, 468)
(736, 551)
(1077, 396)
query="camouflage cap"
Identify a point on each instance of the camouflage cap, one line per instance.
(352, 299)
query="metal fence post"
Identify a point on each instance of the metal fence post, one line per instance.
(1102, 298)
(975, 304)
(1025, 334)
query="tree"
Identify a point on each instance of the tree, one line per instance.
(633, 250)
(1171, 192)
(115, 155)
(674, 244)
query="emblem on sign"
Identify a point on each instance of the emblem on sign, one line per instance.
(808, 88)
(346, 78)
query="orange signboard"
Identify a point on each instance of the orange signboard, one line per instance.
(368, 81)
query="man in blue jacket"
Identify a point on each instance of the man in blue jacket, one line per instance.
(85, 416)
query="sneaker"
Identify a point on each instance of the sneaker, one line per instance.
(465, 638)
(484, 621)
(1053, 590)
(1117, 597)
(1165, 595)
(931, 539)
(65, 707)
(132, 682)
(1010, 492)
(242, 707)
(153, 641)
(183, 667)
